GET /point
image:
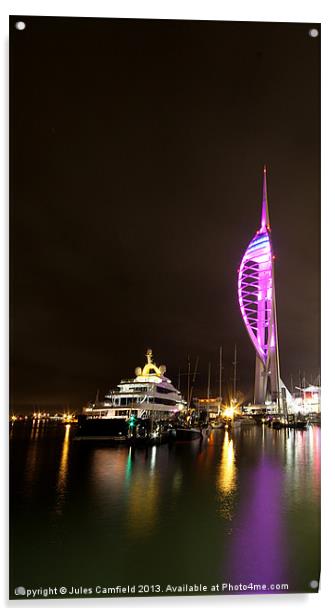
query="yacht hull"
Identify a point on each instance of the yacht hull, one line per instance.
(188, 434)
(102, 429)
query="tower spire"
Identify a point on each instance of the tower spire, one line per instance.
(265, 221)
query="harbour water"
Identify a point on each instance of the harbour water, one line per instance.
(240, 508)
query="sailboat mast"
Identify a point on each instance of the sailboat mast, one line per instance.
(220, 379)
(194, 375)
(234, 381)
(208, 385)
(188, 381)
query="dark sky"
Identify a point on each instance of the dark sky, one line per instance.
(137, 150)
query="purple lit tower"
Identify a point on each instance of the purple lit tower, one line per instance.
(256, 294)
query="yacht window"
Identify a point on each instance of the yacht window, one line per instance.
(164, 390)
(165, 401)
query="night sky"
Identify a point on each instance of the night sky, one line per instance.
(136, 158)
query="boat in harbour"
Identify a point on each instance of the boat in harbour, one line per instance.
(141, 410)
(277, 424)
(187, 433)
(298, 421)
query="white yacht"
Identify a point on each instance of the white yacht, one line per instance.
(139, 407)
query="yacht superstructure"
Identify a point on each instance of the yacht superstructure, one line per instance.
(149, 400)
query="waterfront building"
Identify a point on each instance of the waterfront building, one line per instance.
(211, 406)
(308, 400)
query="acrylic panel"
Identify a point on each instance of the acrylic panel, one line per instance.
(165, 393)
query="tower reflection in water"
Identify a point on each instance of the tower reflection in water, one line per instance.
(227, 478)
(257, 547)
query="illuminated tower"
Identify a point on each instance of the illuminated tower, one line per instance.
(256, 294)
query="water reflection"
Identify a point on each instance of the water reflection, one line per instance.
(153, 458)
(316, 454)
(31, 467)
(242, 507)
(258, 550)
(177, 481)
(129, 464)
(302, 501)
(63, 471)
(126, 479)
(303, 464)
(35, 429)
(227, 476)
(108, 467)
(143, 496)
(226, 480)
